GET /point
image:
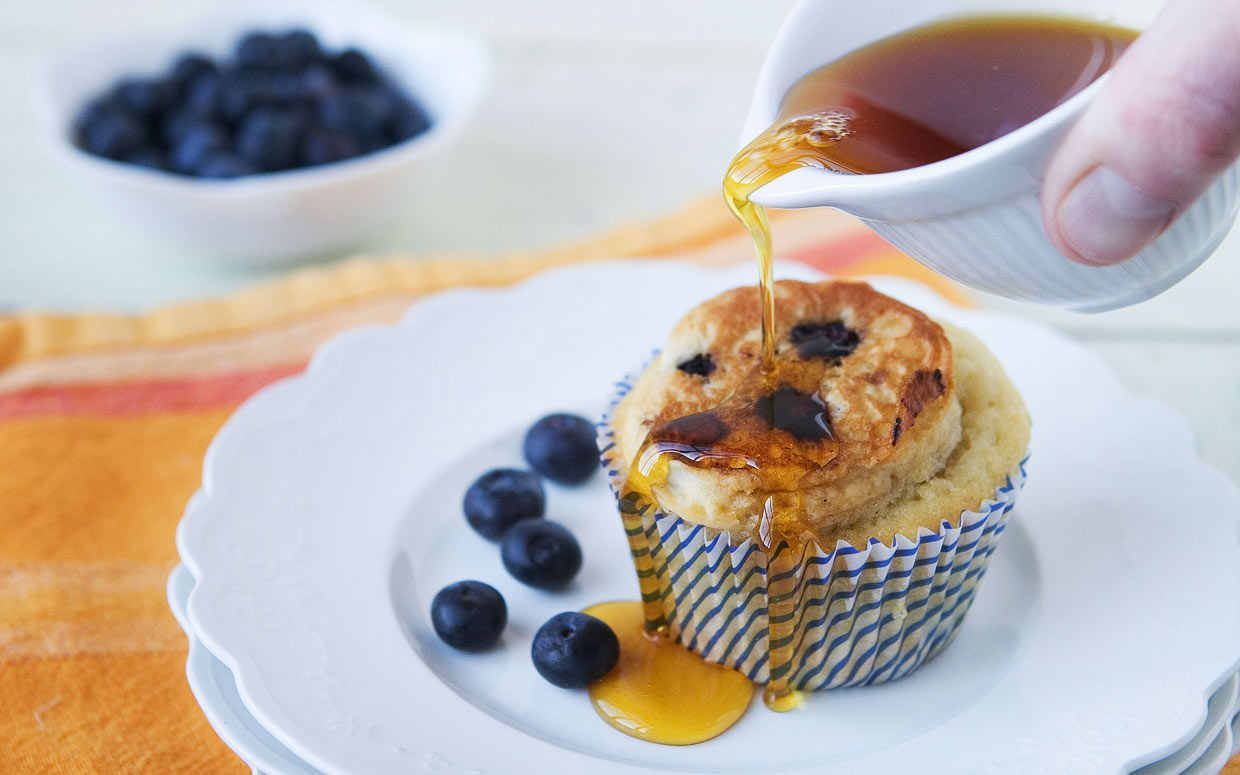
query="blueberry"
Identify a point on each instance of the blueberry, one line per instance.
(196, 142)
(573, 650)
(204, 96)
(372, 142)
(360, 110)
(540, 553)
(501, 498)
(95, 109)
(804, 415)
(408, 121)
(700, 365)
(286, 87)
(223, 165)
(317, 81)
(469, 615)
(355, 67)
(174, 125)
(188, 68)
(106, 129)
(270, 138)
(562, 448)
(297, 48)
(258, 51)
(829, 341)
(145, 98)
(149, 157)
(242, 92)
(323, 146)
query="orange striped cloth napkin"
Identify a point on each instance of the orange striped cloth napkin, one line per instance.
(103, 423)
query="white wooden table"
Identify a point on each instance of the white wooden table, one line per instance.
(599, 114)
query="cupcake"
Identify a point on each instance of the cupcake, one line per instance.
(825, 522)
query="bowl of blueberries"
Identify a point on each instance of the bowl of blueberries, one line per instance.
(264, 133)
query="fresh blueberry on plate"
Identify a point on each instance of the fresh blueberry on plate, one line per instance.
(573, 650)
(500, 498)
(469, 615)
(562, 448)
(540, 553)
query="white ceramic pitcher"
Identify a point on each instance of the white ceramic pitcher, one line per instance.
(976, 217)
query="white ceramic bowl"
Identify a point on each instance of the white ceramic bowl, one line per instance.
(976, 217)
(282, 216)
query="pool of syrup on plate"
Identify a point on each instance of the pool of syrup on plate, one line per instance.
(661, 691)
(912, 99)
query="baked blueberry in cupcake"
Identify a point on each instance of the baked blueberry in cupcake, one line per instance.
(824, 520)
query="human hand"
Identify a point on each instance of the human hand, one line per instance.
(1164, 126)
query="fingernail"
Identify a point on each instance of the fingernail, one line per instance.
(1105, 219)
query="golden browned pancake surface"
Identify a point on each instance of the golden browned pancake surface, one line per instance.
(880, 372)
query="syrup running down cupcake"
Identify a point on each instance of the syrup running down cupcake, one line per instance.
(821, 519)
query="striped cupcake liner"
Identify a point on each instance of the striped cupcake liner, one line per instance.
(862, 616)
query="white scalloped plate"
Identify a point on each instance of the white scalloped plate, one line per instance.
(330, 515)
(213, 686)
(216, 691)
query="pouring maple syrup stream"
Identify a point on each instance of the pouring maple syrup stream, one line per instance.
(912, 99)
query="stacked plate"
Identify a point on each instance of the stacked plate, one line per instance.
(1106, 638)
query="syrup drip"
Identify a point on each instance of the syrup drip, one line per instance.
(767, 422)
(798, 142)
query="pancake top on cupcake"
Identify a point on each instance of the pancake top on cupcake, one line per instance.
(862, 409)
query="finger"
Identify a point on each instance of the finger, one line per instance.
(1159, 132)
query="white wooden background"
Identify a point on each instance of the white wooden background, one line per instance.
(656, 91)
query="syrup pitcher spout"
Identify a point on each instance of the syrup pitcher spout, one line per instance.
(974, 214)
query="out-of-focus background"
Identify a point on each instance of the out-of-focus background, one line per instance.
(596, 114)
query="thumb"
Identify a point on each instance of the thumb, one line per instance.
(1164, 126)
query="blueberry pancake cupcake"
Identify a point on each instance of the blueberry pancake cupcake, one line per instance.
(824, 522)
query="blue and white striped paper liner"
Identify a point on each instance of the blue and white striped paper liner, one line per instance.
(863, 616)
